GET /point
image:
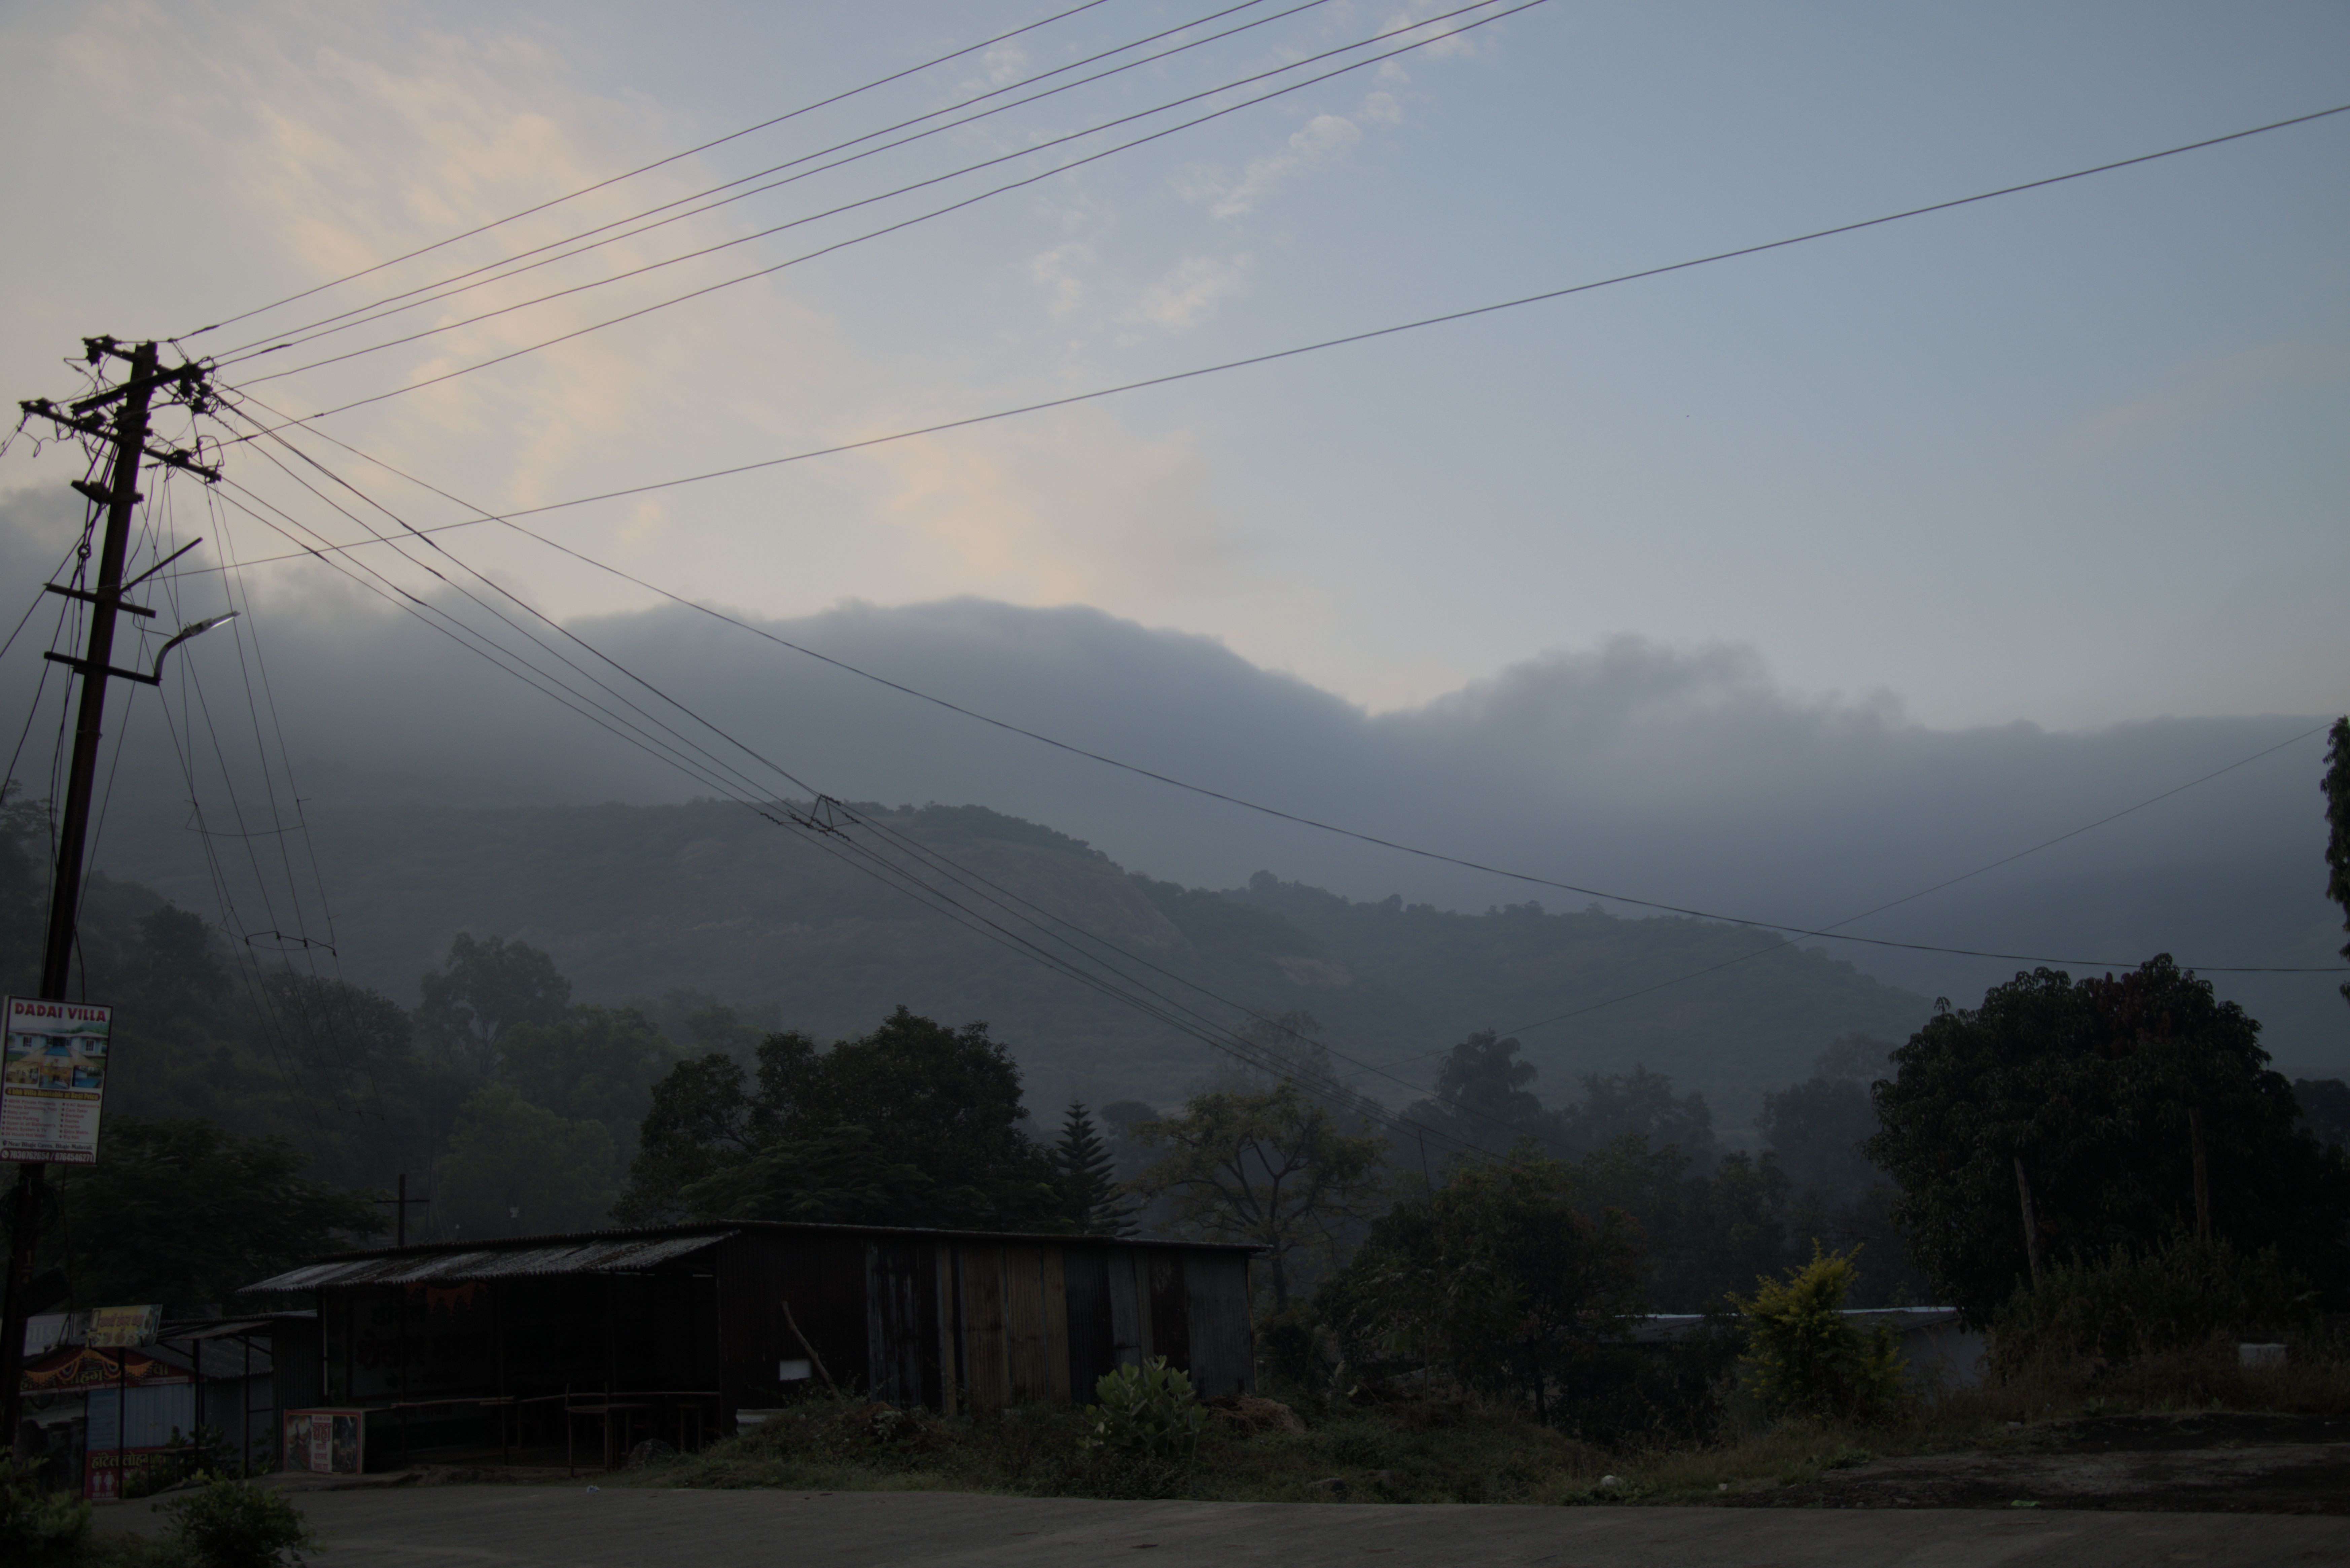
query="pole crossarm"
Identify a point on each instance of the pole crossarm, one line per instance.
(47, 409)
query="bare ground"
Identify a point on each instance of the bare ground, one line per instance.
(2205, 1463)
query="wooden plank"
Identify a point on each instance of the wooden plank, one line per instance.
(1023, 1323)
(1054, 1285)
(942, 1284)
(1132, 1274)
(1093, 1334)
(986, 1369)
(1216, 1304)
(893, 1321)
(1170, 1322)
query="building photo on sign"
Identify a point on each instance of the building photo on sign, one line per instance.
(54, 1081)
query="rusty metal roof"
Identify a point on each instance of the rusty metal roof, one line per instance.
(436, 1265)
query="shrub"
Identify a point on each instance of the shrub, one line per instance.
(2104, 1312)
(1804, 1358)
(1148, 1411)
(39, 1526)
(236, 1524)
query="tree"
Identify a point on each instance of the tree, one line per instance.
(1496, 1276)
(1706, 1233)
(1640, 1104)
(1816, 1128)
(1480, 1099)
(1088, 1173)
(592, 1064)
(2337, 822)
(515, 1168)
(945, 1102)
(1805, 1356)
(180, 1212)
(841, 1176)
(482, 990)
(1273, 1168)
(2084, 1104)
(2325, 1109)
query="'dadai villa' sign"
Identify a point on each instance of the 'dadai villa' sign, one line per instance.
(53, 1081)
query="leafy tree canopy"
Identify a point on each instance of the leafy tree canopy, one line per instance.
(515, 1168)
(591, 1064)
(182, 1212)
(2088, 1087)
(1498, 1276)
(482, 990)
(1273, 1168)
(943, 1102)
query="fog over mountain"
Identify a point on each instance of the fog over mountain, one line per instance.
(1683, 775)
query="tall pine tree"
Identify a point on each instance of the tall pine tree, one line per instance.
(1090, 1186)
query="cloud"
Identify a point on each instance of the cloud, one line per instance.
(1325, 139)
(1057, 272)
(1188, 294)
(1073, 507)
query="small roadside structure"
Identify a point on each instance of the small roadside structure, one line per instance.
(575, 1348)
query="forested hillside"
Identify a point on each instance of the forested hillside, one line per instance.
(635, 903)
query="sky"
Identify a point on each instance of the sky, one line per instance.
(2071, 457)
(1787, 584)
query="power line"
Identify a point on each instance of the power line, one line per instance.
(1120, 986)
(649, 167)
(1355, 338)
(1797, 932)
(388, 305)
(883, 231)
(1911, 898)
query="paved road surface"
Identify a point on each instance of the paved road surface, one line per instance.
(545, 1527)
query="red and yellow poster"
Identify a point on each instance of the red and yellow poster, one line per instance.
(52, 1081)
(326, 1442)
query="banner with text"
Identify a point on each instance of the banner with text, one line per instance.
(52, 1080)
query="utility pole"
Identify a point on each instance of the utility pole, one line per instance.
(133, 398)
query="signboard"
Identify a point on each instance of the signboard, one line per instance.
(52, 1078)
(326, 1442)
(148, 1471)
(119, 1325)
(79, 1367)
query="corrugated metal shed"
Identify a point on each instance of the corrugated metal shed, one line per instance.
(618, 1255)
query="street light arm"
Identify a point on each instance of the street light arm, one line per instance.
(196, 629)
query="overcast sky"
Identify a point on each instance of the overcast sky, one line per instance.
(1783, 585)
(2073, 457)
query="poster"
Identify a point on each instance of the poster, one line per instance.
(52, 1078)
(115, 1325)
(326, 1442)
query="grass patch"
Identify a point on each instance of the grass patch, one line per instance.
(1460, 1448)
(1436, 1450)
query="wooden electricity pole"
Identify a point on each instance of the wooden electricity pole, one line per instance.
(133, 398)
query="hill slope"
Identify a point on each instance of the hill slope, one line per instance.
(635, 901)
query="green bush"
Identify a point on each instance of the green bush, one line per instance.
(2107, 1311)
(38, 1526)
(1804, 1358)
(236, 1524)
(1148, 1412)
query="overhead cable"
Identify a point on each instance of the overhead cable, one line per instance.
(883, 231)
(1299, 819)
(1365, 336)
(584, 241)
(649, 167)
